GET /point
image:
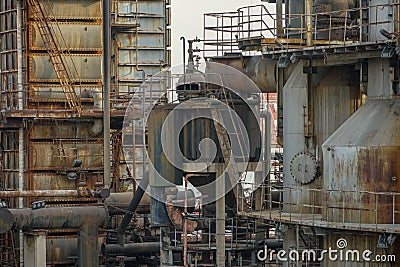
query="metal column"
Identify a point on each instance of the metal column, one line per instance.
(220, 216)
(35, 249)
(106, 89)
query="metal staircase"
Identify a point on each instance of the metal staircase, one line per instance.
(57, 54)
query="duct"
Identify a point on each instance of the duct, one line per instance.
(262, 71)
(102, 193)
(86, 219)
(131, 249)
(132, 208)
(52, 218)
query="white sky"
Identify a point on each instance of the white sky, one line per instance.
(187, 19)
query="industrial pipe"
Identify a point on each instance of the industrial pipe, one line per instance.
(103, 193)
(130, 249)
(52, 218)
(87, 219)
(106, 90)
(118, 203)
(131, 209)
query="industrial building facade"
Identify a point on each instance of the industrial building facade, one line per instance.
(87, 98)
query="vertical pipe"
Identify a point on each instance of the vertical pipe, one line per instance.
(220, 217)
(19, 56)
(308, 22)
(131, 209)
(279, 21)
(106, 88)
(185, 240)
(20, 95)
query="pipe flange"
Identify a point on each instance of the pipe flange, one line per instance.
(304, 167)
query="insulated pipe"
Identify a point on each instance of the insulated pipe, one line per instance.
(103, 193)
(20, 57)
(52, 218)
(106, 89)
(87, 219)
(118, 203)
(130, 249)
(131, 209)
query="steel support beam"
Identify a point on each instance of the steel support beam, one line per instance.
(35, 249)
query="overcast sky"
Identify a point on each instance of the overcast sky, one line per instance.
(187, 19)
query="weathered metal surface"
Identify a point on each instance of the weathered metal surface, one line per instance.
(365, 161)
(47, 155)
(52, 218)
(117, 203)
(66, 9)
(40, 193)
(77, 36)
(360, 242)
(54, 93)
(62, 250)
(137, 197)
(131, 249)
(84, 130)
(88, 67)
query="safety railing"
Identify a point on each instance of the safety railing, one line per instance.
(255, 28)
(353, 210)
(239, 235)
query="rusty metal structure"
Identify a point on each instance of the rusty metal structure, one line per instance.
(67, 71)
(86, 135)
(335, 67)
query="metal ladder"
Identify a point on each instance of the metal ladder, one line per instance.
(57, 55)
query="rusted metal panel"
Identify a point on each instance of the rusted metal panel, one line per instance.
(128, 40)
(61, 250)
(362, 156)
(361, 242)
(75, 9)
(46, 181)
(53, 155)
(88, 66)
(78, 36)
(130, 73)
(54, 93)
(88, 129)
(144, 57)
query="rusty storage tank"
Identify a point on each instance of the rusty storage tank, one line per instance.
(361, 158)
(362, 167)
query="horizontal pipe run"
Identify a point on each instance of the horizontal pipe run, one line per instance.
(55, 193)
(118, 203)
(130, 249)
(52, 218)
